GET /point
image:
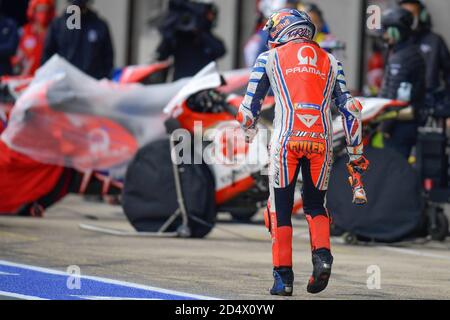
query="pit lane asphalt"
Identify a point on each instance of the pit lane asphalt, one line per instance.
(222, 265)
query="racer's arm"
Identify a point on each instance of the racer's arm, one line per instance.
(350, 110)
(257, 89)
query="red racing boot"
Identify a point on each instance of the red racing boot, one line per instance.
(322, 260)
(282, 255)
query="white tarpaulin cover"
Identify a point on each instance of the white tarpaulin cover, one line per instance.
(68, 118)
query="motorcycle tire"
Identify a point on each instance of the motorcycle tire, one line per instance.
(440, 229)
(243, 214)
(150, 198)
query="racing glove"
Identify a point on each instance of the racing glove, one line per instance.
(357, 165)
(248, 124)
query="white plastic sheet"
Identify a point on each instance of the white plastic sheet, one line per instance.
(70, 119)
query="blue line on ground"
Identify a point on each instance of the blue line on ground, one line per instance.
(18, 280)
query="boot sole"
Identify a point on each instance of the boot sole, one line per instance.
(282, 294)
(320, 284)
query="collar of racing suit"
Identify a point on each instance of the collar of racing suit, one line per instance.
(299, 40)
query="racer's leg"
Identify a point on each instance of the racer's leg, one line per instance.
(284, 169)
(314, 205)
(315, 180)
(281, 205)
(282, 188)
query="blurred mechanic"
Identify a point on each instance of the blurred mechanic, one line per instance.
(323, 37)
(317, 17)
(432, 45)
(16, 10)
(89, 48)
(29, 53)
(375, 69)
(187, 37)
(404, 78)
(257, 43)
(9, 39)
(306, 80)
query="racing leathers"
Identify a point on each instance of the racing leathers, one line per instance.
(306, 80)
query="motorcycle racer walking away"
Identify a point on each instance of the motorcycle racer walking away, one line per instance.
(306, 80)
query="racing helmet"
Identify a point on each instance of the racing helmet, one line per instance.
(397, 23)
(288, 24)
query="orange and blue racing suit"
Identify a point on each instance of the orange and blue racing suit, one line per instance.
(306, 81)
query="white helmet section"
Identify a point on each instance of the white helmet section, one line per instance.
(83, 123)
